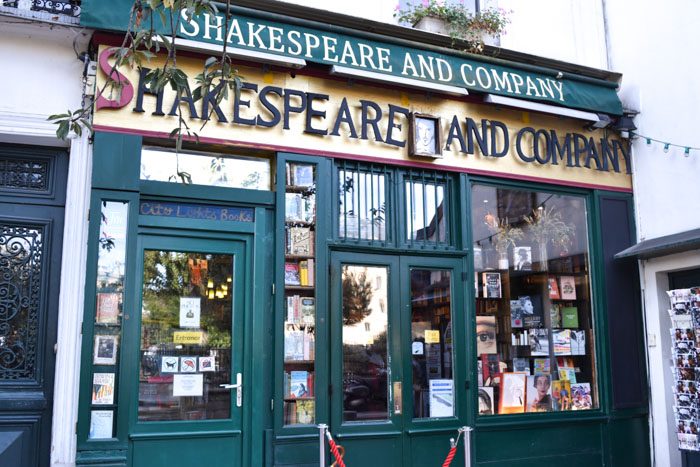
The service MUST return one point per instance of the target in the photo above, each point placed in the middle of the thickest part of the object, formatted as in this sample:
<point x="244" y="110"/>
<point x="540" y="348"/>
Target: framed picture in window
<point x="105" y="350"/>
<point x="424" y="136"/>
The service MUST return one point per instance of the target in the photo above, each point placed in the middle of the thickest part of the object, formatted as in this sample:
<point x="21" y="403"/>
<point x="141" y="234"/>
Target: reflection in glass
<point x="111" y="256"/>
<point x="162" y="165"/>
<point x="362" y="204"/>
<point x="365" y="357"/>
<point x="431" y="347"/>
<point x="185" y="336"/>
<point x="425" y="215"/>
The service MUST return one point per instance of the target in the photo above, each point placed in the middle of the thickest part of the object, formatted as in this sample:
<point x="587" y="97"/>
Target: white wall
<point x="655" y="45"/>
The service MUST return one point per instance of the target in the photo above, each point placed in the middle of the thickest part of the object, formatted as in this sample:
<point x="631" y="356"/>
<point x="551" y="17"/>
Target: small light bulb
<point x="687" y="152"/>
<point x="666" y="146"/>
<point x="211" y="294"/>
<point x="210" y="284"/>
<point x="229" y="279"/>
<point x="648" y="141"/>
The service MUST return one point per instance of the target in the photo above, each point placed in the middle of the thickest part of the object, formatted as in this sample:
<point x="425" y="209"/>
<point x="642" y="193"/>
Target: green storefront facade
<point x="305" y="262"/>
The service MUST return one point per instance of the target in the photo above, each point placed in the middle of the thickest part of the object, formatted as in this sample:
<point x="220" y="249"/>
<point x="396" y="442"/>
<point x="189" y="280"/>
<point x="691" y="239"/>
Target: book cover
<point x="578" y="342"/>
<point x="492" y="284"/>
<point x="555" y="315"/>
<point x="539" y="394"/>
<point x="490" y="365"/>
<point x="561" y="395"/>
<point x="302" y="174"/>
<point x="568" y="287"/>
<point x="305" y="412"/>
<point x="522" y="258"/>
<point x="479" y="373"/>
<point x="521" y="365"/>
<point x="486" y="400"/>
<point x="567" y="362"/>
<point x="567" y="374"/>
<point x="486" y="335"/>
<point x="311" y="268"/>
<point x="533" y="316"/>
<point x="553" y="288"/>
<point x="293" y="345"/>
<point x="512" y="393"/>
<point x="542" y="366"/>
<point x="107" y="308"/>
<point x="581" y="396"/>
<point x="304" y="272"/>
<point x="298" y="384"/>
<point x="569" y="317"/>
<point x="291" y="274"/>
<point x="308" y="310"/>
<point x="103" y="388"/>
<point x="516" y="314"/>
<point x="293" y="207"/>
<point x="301" y="241"/>
<point x="561" y="339"/>
<point x="539" y="342"/>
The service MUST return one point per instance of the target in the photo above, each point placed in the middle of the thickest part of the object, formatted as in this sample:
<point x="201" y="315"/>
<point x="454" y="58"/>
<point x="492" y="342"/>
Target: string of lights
<point x="667" y="145"/>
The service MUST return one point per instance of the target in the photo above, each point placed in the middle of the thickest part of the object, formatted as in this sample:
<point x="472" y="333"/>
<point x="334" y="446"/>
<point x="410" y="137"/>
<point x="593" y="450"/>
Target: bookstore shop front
<point x="391" y="261"/>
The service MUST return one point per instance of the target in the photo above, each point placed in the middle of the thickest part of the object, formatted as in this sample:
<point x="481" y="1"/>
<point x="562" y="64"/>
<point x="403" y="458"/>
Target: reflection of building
<point x="374" y="324"/>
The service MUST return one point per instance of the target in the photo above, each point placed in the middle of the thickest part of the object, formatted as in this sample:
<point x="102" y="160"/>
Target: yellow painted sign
<point x="432" y="336"/>
<point x="187" y="337"/>
<point x="289" y="111"/>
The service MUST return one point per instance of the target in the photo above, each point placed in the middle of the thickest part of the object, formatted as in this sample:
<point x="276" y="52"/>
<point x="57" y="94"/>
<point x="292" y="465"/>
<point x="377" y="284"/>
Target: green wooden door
<point x="190" y="388"/>
<point x="398" y="368"/>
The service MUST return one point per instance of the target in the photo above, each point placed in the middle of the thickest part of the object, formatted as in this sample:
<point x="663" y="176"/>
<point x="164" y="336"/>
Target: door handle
<point x="238" y="387"/>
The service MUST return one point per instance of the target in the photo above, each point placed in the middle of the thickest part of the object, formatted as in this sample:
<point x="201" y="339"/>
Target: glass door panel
<point x="185" y="349"/>
<point x="431" y="342"/>
<point x="365" y="368"/>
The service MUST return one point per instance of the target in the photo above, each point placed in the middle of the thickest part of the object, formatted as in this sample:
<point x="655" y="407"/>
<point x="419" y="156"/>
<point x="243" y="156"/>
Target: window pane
<point x="228" y="171"/>
<point x="431" y="347"/>
<point x="365" y="354"/>
<point x="185" y="336"/>
<point x="362" y="200"/>
<point x="425" y="212"/>
<point x="534" y="322"/>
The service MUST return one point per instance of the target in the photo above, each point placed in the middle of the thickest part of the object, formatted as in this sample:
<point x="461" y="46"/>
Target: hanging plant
<point x="545" y="225"/>
<point x="503" y="235"/>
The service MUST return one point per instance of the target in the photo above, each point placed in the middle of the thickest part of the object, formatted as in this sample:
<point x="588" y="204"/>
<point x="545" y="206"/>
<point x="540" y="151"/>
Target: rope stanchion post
<point x="322" y="444"/>
<point x="466" y="431"/>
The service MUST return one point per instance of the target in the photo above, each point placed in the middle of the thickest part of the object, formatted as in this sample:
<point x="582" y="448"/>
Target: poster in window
<point x="103" y="388"/>
<point x="441" y="398"/>
<point x="107" y="308"/>
<point x="190" y="310"/>
<point x="101" y="424"/>
<point x="105" y="350"/>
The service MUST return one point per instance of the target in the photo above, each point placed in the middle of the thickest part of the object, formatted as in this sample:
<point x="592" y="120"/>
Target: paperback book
<point x="291" y="274"/>
<point x="298" y="384"/>
<point x="539" y="394"/>
<point x="521" y="365"/>
<point x="542" y="366"/>
<point x="568" y="287"/>
<point x="490" y="365"/>
<point x="516" y="314"/>
<point x="581" y="396"/>
<point x="533" y="317"/>
<point x="553" y="288"/>
<point x="569" y="317"/>
<point x="561" y="339"/>
<point x="512" y="393"/>
<point x="539" y="342"/>
<point x="578" y="342"/>
<point x="561" y="395"/>
<point x="492" y="284"/>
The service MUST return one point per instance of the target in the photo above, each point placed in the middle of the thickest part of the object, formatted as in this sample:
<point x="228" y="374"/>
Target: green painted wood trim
<point x="184" y="224"/>
<point x="116" y="161"/>
<point x="184" y="434"/>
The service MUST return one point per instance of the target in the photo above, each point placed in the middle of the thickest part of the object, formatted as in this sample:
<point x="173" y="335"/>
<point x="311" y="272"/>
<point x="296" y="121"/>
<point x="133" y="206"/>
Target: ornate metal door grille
<point x="24" y="174"/>
<point x="21" y="255"/>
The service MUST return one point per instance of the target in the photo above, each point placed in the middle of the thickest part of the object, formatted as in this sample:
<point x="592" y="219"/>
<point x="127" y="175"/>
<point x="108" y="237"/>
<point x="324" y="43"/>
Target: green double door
<point x="399" y="383"/>
<point x="188" y="377"/>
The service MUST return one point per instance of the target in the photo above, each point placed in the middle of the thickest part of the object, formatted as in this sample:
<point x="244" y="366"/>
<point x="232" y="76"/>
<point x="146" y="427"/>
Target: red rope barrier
<point x="450" y="456"/>
<point x="336" y="452"/>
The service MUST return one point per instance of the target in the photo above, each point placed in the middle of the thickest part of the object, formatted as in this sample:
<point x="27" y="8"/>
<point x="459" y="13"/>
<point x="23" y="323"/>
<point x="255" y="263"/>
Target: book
<point x="578" y="342"/>
<point x="561" y="339"/>
<point x="301" y="174"/>
<point x="490" y="366"/>
<point x="300" y="241"/>
<point x="568" y="374"/>
<point x="553" y="288"/>
<point x="539" y="393"/>
<point x="291" y="274"/>
<point x="103" y="388"/>
<point x="522" y="258"/>
<point x="568" y="287"/>
<point x="512" y="393"/>
<point x="486" y="400"/>
<point x="567" y="362"/>
<point x="304" y="272"/>
<point x="581" y="396"/>
<point x="107" y="308"/>
<point x="308" y="310"/>
<point x="298" y="381"/>
<point x="293" y="345"/>
<point x="555" y="315"/>
<point x="516" y="314"/>
<point x="533" y="316"/>
<point x="309" y="346"/>
<point x="542" y="366"/>
<point x="479" y="373"/>
<point x="486" y="335"/>
<point x="492" y="284"/>
<point x="521" y="365"/>
<point x="569" y="317"/>
<point x="561" y="395"/>
<point x="305" y="412"/>
<point x="539" y="342"/>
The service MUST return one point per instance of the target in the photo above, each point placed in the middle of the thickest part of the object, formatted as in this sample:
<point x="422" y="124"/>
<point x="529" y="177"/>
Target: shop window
<point x="426" y="206"/>
<point x="210" y="169"/>
<point x="362" y="200"/>
<point x="534" y="323"/>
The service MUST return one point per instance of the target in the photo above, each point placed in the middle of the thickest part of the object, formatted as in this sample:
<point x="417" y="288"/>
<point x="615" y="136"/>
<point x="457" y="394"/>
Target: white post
<point x="466" y="432"/>
<point x="322" y="444"/>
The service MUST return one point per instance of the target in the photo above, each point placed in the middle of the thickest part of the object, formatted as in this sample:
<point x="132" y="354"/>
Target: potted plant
<point x="546" y="226"/>
<point x="503" y="237"/>
<point x="456" y="21"/>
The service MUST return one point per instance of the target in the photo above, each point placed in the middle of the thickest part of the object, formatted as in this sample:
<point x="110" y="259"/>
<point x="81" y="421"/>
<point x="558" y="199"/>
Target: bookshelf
<point x="299" y="294"/>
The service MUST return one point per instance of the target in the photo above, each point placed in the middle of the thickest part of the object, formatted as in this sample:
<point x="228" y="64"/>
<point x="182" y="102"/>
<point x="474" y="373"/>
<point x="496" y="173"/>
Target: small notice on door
<point x="187" y="337"/>
<point x="432" y="336"/>
<point x="188" y="385"/>
<point x="441" y="398"/>
<point x="190" y="312"/>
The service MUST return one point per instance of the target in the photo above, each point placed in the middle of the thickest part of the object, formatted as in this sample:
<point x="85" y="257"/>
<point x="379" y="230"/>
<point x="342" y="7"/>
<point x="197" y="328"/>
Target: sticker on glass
<point x="170" y="364"/>
<point x="188" y="364"/>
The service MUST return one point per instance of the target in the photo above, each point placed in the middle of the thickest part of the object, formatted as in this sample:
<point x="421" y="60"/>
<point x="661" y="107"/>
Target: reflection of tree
<point x="357" y="295"/>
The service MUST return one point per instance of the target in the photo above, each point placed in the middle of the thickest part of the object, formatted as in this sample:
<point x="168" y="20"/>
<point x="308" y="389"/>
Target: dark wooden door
<point x="32" y="195"/>
<point x="684" y="280"/>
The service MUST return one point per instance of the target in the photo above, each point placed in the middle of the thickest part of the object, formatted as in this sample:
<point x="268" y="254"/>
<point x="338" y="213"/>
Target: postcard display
<point x="107" y="315"/>
<point x="299" y="294"/>
<point x="685" y="335"/>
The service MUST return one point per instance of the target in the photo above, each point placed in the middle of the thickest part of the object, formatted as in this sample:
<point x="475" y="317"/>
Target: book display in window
<point x="299" y="294"/>
<point x="685" y="329"/>
<point x="534" y="321"/>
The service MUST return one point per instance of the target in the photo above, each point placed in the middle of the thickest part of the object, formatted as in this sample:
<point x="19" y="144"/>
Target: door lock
<point x="398" y="398"/>
<point x="238" y="387"/>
